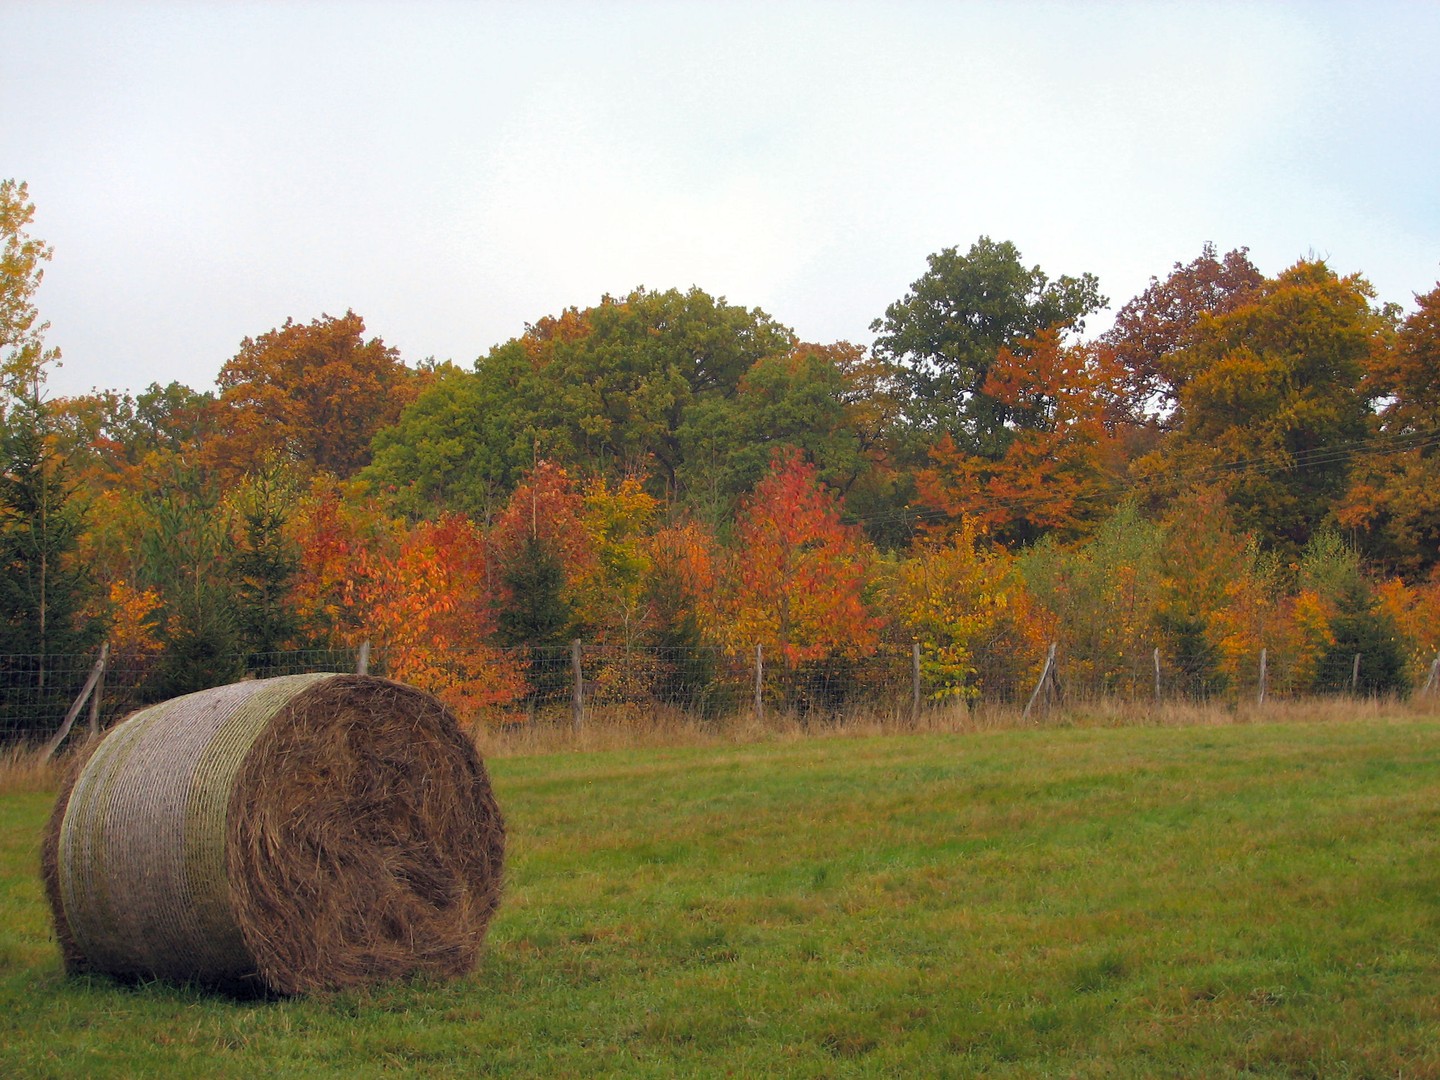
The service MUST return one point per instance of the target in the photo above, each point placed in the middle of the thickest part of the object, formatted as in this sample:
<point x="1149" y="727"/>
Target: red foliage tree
<point x="794" y="580"/>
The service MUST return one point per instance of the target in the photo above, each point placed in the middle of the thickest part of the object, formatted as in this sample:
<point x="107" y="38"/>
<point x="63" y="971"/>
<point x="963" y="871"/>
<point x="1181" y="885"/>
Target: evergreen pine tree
<point x="1359" y="629"/>
<point x="187" y="552"/>
<point x="537" y="617"/>
<point x="263" y="567"/>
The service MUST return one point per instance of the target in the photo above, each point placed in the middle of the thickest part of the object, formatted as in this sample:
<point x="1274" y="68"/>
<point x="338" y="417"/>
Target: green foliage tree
<point x="263" y="566"/>
<point x="605" y="390"/>
<point x="795" y="401"/>
<point x="1104" y="594"/>
<point x="947" y="330"/>
<point x="187" y="554"/>
<point x="1360" y="629"/>
<point x="48" y="604"/>
<point x="461" y="445"/>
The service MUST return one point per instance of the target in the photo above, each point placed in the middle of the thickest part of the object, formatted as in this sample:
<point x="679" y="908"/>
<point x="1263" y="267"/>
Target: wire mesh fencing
<point x="638" y="684"/>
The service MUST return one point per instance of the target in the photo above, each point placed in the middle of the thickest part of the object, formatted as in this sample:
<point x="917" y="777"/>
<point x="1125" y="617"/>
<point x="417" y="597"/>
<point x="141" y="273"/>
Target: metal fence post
<point x="577" y="691"/>
<point x="759" y="683"/>
<point x="915" y="682"/>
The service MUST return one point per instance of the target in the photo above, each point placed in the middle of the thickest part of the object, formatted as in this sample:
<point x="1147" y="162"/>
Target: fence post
<point x="1263" y="678"/>
<point x="759" y="683"/>
<point x="99" y="687"/>
<point x="1047" y="675"/>
<point x="1434" y="676"/>
<point x="915" y="682"/>
<point x="362" y="662"/>
<point x="69" y="721"/>
<point x="577" y="691"/>
<point x="1355" y="675"/>
<point x="1157" y="677"/>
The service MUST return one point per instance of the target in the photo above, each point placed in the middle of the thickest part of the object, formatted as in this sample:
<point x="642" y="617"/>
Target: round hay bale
<point x="279" y="836"/>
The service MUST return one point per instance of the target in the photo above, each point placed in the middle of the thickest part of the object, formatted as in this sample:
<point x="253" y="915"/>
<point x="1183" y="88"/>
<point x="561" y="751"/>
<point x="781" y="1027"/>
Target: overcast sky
<point x="454" y="171"/>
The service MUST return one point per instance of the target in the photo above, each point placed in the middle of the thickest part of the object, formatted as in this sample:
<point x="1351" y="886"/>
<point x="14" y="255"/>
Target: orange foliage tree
<point x="428" y="607"/>
<point x="1053" y="471"/>
<point x="314" y="394"/>
<point x="1394" y="495"/>
<point x="794" y="580"/>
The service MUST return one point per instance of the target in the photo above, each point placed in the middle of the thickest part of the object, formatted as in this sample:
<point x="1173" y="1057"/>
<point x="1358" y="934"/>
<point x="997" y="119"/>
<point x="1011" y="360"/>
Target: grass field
<point x="1232" y="899"/>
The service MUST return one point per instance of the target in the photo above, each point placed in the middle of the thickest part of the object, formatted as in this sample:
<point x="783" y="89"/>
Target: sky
<point x="453" y="172"/>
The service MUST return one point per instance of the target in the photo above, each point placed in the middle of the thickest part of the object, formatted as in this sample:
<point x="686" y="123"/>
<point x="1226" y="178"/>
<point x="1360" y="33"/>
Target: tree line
<point x="1239" y="462"/>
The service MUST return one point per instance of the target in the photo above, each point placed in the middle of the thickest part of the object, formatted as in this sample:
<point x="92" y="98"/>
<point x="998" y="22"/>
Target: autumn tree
<point x="1216" y="601"/>
<point x="1271" y="403"/>
<point x="610" y="592"/>
<point x="947" y="331"/>
<point x="1104" y="594"/>
<point x="1393" y="499"/>
<point x="794" y="580"/>
<point x="314" y="394"/>
<point x="114" y="440"/>
<point x="23" y="352"/>
<point x="964" y="603"/>
<point x="337" y="539"/>
<point x="427" y="605"/>
<point x="1052" y="470"/>
<point x="1151" y="331"/>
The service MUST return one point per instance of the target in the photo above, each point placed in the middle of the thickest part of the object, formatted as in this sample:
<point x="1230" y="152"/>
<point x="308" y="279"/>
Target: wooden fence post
<point x="1355" y="675"/>
<point x="362" y="662"/>
<point x="99" y="688"/>
<point x="1434" y="677"/>
<point x="577" y="691"/>
<point x="759" y="683"/>
<point x="1046" y="676"/>
<point x="69" y="721"/>
<point x="915" y="682"/>
<point x="1263" y="677"/>
<point x="1157" y="676"/>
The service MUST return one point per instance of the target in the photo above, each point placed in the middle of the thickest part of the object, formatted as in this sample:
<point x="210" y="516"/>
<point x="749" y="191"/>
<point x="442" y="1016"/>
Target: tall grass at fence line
<point x="627" y="727"/>
<point x="25" y="769"/>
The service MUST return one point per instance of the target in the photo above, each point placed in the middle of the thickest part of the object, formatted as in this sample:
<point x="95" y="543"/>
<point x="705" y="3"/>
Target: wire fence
<point x="584" y="682"/>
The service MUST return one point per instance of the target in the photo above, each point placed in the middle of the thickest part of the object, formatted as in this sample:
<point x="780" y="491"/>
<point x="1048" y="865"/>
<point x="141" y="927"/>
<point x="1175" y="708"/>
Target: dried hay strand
<point x="279" y="836"/>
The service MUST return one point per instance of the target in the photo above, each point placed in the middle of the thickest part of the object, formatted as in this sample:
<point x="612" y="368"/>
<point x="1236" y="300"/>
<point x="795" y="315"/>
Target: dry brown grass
<point x="24" y="770"/>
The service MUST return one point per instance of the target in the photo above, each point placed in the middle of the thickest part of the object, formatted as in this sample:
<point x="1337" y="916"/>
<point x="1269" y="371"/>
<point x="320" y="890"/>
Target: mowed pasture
<point x="1243" y="899"/>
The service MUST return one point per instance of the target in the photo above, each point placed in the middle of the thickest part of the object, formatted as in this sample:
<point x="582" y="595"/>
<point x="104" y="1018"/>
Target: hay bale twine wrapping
<point x="280" y="836"/>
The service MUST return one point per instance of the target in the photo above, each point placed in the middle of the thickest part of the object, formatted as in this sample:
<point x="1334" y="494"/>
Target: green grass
<point x="1246" y="900"/>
